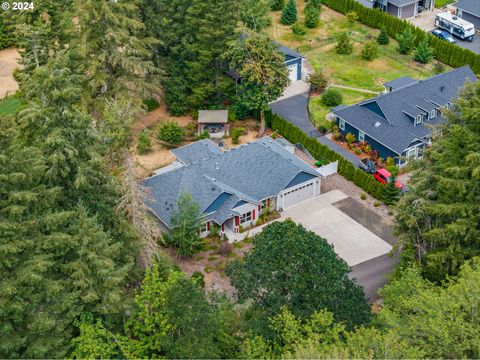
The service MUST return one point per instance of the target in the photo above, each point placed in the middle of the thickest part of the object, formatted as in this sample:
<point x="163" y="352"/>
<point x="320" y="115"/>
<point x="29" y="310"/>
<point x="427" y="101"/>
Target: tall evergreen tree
<point x="312" y="15"/>
<point x="439" y="218"/>
<point x="391" y="194"/>
<point x="406" y="41"/>
<point x="255" y="14"/>
<point x="277" y="5"/>
<point x="383" y="38"/>
<point x="289" y="13"/>
<point x="262" y="69"/>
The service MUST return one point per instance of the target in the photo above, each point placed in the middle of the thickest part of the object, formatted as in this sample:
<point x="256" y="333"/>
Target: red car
<point x="384" y="176"/>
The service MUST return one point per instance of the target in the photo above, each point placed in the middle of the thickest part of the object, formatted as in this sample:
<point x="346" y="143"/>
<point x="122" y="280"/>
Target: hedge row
<point x="321" y="151"/>
<point x="445" y="52"/>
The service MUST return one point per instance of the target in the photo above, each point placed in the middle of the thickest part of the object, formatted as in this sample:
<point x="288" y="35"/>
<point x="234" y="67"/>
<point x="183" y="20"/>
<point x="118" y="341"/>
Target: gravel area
<point x="338" y="182"/>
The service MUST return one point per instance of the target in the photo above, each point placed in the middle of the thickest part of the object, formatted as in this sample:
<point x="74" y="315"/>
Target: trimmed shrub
<point x="289" y="13"/>
<point x="352" y="16"/>
<point x="344" y="45"/>
<point x="318" y="81"/>
<point x="323" y="129"/>
<point x="171" y="132"/>
<point x="350" y="138"/>
<point x="332" y="97"/>
<point x="383" y="38"/>
<point x="144" y="144"/>
<point x="370" y="50"/>
<point x="298" y="29"/>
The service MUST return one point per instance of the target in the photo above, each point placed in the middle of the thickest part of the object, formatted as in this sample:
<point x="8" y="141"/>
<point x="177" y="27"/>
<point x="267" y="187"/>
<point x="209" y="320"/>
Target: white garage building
<point x="233" y="188"/>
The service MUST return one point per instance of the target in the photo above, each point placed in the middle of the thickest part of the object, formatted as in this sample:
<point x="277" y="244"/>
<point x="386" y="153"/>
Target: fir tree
<point x="391" y="194"/>
<point x="406" y="41"/>
<point x="439" y="217"/>
<point x="255" y="14"/>
<point x="423" y="53"/>
<point x="312" y="15"/>
<point x="344" y="45"/>
<point x="289" y="13"/>
<point x="383" y="38"/>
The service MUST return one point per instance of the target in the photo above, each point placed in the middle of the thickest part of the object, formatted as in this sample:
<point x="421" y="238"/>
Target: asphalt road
<point x="372" y="274"/>
<point x="474" y="45"/>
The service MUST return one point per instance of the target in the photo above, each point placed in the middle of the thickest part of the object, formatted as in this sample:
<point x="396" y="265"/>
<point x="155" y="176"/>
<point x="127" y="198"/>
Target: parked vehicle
<point x="455" y="26"/>
<point x="441" y="34"/>
<point x="367" y="165"/>
<point x="383" y="176"/>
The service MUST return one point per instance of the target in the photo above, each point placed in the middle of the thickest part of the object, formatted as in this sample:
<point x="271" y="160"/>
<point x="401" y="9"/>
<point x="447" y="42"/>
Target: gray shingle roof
<point x="250" y="172"/>
<point x="398" y="131"/>
<point x="402" y="2"/>
<point x="367" y="3"/>
<point x="196" y="151"/>
<point x="400" y="82"/>
<point x="469" y="6"/>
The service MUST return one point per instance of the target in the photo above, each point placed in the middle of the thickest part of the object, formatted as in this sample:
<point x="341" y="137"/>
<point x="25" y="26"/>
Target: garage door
<point x="299" y="194"/>
<point x="292" y="72"/>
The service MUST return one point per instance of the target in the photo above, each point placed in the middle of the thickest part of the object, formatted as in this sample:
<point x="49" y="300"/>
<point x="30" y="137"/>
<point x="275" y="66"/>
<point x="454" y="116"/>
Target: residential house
<point x="293" y="61"/>
<point x="402" y="9"/>
<point x="398" y="124"/>
<point x="469" y="10"/>
<point x="233" y="188"/>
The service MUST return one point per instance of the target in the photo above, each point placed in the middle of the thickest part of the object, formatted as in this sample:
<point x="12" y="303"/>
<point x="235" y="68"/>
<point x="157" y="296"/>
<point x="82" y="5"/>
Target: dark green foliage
<point x="391" y="194"/>
<point x="310" y="278"/>
<point x="151" y="104"/>
<point x="383" y="38"/>
<point x="144" y="143"/>
<point x="423" y="52"/>
<point x="255" y="14"/>
<point x="332" y="97"/>
<point x="439" y="217"/>
<point x="318" y="81"/>
<point x="172" y="318"/>
<point x="198" y="278"/>
<point x="235" y="133"/>
<point x="447" y="53"/>
<point x="185" y="220"/>
<point x="289" y="13"/>
<point x="3" y="35"/>
<point x="171" y="132"/>
<point x="312" y="15"/>
<point x="277" y="5"/>
<point x="370" y="50"/>
<point x="344" y="45"/>
<point x="298" y="29"/>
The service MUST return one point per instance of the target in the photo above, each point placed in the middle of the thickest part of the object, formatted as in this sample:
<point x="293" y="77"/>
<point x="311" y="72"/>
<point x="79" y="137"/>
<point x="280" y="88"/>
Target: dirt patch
<point x="8" y="63"/>
<point x="213" y="265"/>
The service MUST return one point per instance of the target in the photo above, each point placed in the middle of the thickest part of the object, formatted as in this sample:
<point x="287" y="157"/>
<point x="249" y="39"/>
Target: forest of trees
<point x="75" y="280"/>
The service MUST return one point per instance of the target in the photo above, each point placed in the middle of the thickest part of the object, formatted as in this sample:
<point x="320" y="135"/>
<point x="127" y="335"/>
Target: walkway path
<point x="355" y="89"/>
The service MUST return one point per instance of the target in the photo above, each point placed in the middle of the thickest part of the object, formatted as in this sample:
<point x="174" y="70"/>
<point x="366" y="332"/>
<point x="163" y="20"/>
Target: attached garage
<point x="292" y="72"/>
<point x="304" y="186"/>
<point x="299" y="194"/>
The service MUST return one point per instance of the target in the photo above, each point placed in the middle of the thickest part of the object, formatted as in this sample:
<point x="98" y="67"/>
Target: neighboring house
<point x="233" y="188"/>
<point x="469" y="10"/>
<point x="403" y="9"/>
<point x="293" y="61"/>
<point x="398" y="124"/>
<point x="213" y="121"/>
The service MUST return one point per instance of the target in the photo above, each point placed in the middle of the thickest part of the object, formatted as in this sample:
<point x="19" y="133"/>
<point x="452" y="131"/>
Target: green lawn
<point x="10" y="106"/>
<point x="441" y="3"/>
<point x="318" y="111"/>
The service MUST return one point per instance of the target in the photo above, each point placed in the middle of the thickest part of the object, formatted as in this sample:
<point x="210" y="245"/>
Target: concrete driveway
<point x="353" y="242"/>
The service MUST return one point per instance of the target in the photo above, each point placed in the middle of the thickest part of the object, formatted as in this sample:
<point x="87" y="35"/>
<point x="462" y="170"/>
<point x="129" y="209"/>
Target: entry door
<point x="292" y="72"/>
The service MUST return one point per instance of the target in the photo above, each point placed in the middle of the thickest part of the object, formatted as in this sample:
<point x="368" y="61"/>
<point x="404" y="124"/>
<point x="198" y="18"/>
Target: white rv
<point x="455" y="26"/>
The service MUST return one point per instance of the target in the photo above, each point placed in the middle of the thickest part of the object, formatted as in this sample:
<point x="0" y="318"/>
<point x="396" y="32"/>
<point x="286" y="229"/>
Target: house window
<point x="341" y="124"/>
<point x="264" y="204"/>
<point x="419" y="119"/>
<point x="361" y="135"/>
<point x="204" y="227"/>
<point x="433" y="113"/>
<point x="420" y="152"/>
<point x="411" y="153"/>
<point x="246" y="217"/>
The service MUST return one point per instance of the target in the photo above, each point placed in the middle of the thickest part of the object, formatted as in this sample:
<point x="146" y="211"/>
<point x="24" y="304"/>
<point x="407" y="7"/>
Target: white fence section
<point x="329" y="169"/>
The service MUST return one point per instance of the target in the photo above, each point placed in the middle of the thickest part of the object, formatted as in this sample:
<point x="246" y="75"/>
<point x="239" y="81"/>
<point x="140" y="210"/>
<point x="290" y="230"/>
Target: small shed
<point x="213" y="121"/>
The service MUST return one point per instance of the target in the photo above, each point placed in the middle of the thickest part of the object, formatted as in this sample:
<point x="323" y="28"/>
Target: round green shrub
<point x="370" y="50"/>
<point x="318" y="81"/>
<point x="171" y="132"/>
<point x="298" y="29"/>
<point x="332" y="97"/>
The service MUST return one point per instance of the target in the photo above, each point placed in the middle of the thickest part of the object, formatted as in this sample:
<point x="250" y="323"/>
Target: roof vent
<point x="442" y="88"/>
<point x="270" y="141"/>
<point x="377" y="124"/>
<point x="213" y="179"/>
